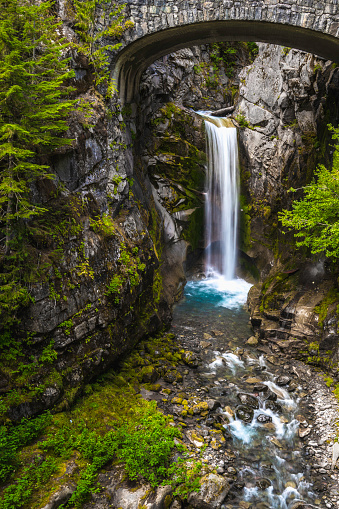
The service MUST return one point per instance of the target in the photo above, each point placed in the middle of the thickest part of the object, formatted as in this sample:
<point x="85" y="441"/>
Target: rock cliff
<point x="124" y="217"/>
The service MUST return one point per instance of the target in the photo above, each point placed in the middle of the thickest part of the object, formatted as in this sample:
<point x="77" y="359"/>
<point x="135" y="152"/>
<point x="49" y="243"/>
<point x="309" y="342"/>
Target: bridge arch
<point x="161" y="27"/>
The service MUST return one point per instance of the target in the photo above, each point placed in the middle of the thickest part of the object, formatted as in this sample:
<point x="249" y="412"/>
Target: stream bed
<point x="263" y="405"/>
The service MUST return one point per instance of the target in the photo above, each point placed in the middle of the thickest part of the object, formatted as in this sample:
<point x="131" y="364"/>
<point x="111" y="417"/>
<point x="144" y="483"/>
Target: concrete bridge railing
<point x="161" y="27"/>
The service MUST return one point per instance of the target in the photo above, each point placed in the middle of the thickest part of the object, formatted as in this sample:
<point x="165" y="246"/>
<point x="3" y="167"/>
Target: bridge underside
<point x="135" y="58"/>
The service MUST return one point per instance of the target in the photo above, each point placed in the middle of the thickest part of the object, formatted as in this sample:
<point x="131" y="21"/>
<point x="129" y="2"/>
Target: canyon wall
<point x="124" y="214"/>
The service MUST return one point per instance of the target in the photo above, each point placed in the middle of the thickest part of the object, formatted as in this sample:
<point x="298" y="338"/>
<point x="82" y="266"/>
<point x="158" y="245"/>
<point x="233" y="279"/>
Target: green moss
<point x="110" y="423"/>
<point x="322" y="308"/>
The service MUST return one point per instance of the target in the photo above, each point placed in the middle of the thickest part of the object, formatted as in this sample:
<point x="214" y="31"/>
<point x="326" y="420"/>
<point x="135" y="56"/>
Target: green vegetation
<point x="227" y="56"/>
<point x="315" y="217"/>
<point x="322" y="308"/>
<point x="33" y="113"/>
<point x="111" y="425"/>
<point x="240" y="118"/>
<point x="130" y="267"/>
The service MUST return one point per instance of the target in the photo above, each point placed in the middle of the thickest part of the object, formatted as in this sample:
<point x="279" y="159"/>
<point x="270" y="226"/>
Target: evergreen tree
<point x="34" y="106"/>
<point x="316" y="216"/>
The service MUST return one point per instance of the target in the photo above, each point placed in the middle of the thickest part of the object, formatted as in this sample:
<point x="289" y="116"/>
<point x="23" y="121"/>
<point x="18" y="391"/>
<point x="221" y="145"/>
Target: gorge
<point x="122" y="232"/>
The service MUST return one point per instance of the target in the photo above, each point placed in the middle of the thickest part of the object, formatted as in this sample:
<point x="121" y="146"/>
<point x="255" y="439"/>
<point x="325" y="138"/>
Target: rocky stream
<point x="265" y="422"/>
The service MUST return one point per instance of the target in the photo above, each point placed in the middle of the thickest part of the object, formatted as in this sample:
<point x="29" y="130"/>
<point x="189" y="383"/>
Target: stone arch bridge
<point x="161" y="27"/>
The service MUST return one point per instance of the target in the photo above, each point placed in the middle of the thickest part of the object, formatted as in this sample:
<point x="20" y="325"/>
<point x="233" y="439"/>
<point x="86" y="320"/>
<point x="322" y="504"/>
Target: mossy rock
<point x="149" y="374"/>
<point x="172" y="376"/>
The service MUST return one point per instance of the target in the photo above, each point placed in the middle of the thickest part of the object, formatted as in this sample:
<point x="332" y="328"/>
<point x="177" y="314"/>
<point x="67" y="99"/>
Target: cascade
<point x="221" y="210"/>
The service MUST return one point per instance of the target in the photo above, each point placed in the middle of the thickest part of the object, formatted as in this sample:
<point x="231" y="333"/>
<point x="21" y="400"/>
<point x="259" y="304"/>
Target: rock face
<point x="125" y="211"/>
<point x="281" y="113"/>
<point x="286" y="98"/>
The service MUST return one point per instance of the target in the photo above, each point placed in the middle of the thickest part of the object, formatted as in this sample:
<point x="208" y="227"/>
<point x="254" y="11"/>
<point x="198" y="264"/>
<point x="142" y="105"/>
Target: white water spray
<point x="221" y="211"/>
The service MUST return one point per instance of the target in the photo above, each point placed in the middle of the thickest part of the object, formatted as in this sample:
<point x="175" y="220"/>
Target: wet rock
<point x="283" y="380"/>
<point x="264" y="418"/>
<point x="276" y="442"/>
<point x="205" y="344"/>
<point x="229" y="411"/>
<point x="213" y="491"/>
<point x="213" y="404"/>
<point x="292" y="386"/>
<point x="248" y="400"/>
<point x="301" y="505"/>
<point x="244" y="504"/>
<point x="263" y="483"/>
<point x="252" y="341"/>
<point x="304" y="432"/>
<point x="270" y="396"/>
<point x="269" y="425"/>
<point x="272" y="405"/>
<point x="60" y="497"/>
<point x="231" y="471"/>
<point x="273" y="360"/>
<point x="260" y="388"/>
<point x="190" y="359"/>
<point x="244" y="413"/>
<point x="253" y="380"/>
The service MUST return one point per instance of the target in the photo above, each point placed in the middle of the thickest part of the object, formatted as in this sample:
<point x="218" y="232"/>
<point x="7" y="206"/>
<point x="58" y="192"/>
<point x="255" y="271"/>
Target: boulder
<point x="213" y="491"/>
<point x="252" y="341"/>
<point x="248" y="400"/>
<point x="131" y="498"/>
<point x="272" y="405"/>
<point x="244" y="413"/>
<point x="60" y="497"/>
<point x="263" y="483"/>
<point x="283" y="380"/>
<point x="264" y="418"/>
<point x="190" y="359"/>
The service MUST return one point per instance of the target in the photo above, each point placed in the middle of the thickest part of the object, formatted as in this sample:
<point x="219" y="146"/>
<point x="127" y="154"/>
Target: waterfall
<point x="221" y="211"/>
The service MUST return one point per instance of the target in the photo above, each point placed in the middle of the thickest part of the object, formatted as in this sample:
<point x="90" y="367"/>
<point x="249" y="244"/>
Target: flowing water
<point x="259" y="410"/>
<point x="260" y="415"/>
<point x="221" y="211"/>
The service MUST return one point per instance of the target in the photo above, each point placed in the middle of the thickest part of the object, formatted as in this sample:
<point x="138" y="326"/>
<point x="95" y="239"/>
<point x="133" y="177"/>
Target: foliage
<point x="184" y="475"/>
<point x="33" y="476"/>
<point x="240" y="118"/>
<point x="103" y="225"/>
<point x="146" y="448"/>
<point x="114" y="287"/>
<point x="13" y="438"/>
<point x="143" y="442"/>
<point x="33" y="112"/>
<point x="130" y="267"/>
<point x="112" y="423"/>
<point x="315" y="217"/>
<point x="90" y="38"/>
<point x="322" y="308"/>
